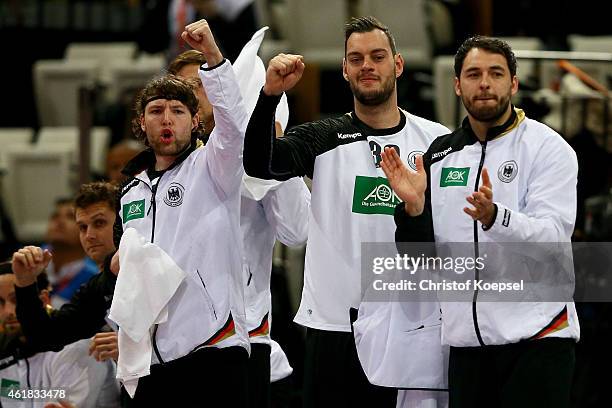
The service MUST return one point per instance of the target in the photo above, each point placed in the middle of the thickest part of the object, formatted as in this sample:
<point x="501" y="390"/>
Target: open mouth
<point x="166" y="136"/>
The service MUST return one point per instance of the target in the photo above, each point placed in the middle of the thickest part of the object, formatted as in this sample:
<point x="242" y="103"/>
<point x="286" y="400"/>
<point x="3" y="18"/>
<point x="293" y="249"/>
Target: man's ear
<point x="195" y="120"/>
<point x="457" y="87"/>
<point x="344" y="74"/>
<point x="142" y="123"/>
<point x="45" y="297"/>
<point x="399" y="65"/>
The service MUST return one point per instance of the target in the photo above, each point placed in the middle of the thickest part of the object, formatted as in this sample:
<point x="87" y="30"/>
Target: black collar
<point x="146" y="160"/>
<point x="495" y="131"/>
<point x="380" y="132"/>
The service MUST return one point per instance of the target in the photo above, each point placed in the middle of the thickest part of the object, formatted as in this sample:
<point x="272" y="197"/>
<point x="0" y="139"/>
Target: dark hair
<point x="492" y="45"/>
<point x="42" y="281"/>
<point x="169" y="87"/>
<point x="64" y="201"/>
<point x="186" y="58"/>
<point x="365" y="25"/>
<point x="97" y="192"/>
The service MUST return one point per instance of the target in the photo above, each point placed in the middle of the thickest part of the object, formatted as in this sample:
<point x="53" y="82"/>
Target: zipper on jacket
<point x="154" y="208"/>
<point x="209" y="298"/>
<point x="476" y="251"/>
<point x="28" y="373"/>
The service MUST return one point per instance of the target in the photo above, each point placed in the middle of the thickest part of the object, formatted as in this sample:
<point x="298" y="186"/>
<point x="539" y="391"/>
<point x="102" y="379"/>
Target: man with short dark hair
<point x="70" y="267"/>
<point x="515" y="353"/>
<point x="342" y="156"/>
<point x="85" y="314"/>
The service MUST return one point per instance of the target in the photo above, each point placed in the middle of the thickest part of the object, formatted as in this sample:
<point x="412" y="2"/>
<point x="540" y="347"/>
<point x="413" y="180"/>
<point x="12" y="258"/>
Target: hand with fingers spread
<point x="28" y="263"/>
<point x="409" y="186"/>
<point x="199" y="37"/>
<point x="284" y="71"/>
<point x="104" y="346"/>
<point x="482" y="200"/>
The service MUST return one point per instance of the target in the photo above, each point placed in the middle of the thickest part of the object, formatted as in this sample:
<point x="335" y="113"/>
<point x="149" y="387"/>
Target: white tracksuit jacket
<point x="86" y="382"/>
<point x="533" y="172"/>
<point x="282" y="213"/>
<point x="192" y="212"/>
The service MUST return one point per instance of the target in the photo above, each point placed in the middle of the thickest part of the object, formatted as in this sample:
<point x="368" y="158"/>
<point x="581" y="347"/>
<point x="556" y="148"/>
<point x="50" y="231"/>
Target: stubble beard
<point x="374" y="97"/>
<point x="487" y="114"/>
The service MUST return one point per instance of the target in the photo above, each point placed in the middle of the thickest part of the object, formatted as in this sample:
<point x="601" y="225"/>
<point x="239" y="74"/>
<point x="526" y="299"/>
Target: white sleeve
<point x="287" y="208"/>
<point x="227" y="138"/>
<point x="549" y="210"/>
<point x="74" y="370"/>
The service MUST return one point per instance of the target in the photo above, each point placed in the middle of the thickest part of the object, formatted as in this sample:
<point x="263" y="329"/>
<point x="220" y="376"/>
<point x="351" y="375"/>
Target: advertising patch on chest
<point x="372" y="195"/>
<point x="133" y="210"/>
<point x="454" y="176"/>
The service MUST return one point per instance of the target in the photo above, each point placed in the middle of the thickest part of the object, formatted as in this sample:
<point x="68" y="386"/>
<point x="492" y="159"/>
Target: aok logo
<point x="454" y="176"/>
<point x="372" y="195"/>
<point x="133" y="210"/>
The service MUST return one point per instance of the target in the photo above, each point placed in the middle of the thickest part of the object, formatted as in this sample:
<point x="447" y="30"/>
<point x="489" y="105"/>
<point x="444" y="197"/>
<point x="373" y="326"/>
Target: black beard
<point x="373" y="98"/>
<point x="488" y="115"/>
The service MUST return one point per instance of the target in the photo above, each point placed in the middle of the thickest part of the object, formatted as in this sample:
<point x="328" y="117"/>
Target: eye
<point x="82" y="228"/>
<point x="379" y="57"/>
<point x="100" y="223"/>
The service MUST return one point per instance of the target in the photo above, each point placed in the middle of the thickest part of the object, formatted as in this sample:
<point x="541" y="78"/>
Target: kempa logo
<point x="454" y="176"/>
<point x="372" y="195"/>
<point x="442" y="153"/>
<point x="349" y="135"/>
<point x="133" y="210"/>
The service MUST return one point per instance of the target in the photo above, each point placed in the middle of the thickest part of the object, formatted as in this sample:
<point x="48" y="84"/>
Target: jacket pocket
<point x="207" y="297"/>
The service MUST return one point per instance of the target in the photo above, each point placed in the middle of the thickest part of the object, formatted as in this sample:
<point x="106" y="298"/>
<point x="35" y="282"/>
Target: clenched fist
<point x="199" y="37"/>
<point x="28" y="263"/>
<point x="284" y="71"/>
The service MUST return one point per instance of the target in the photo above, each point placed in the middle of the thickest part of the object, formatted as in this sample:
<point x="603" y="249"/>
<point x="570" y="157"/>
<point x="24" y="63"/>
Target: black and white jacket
<point x="192" y="212"/>
<point x="533" y="172"/>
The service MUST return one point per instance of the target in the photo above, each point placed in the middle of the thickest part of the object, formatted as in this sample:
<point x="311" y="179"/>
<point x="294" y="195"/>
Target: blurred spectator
<point x="70" y="267"/>
<point x="118" y="156"/>
<point x="86" y="382"/>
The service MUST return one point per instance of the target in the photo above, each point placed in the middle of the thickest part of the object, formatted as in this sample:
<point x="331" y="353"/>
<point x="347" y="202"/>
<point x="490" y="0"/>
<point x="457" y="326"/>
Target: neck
<point x="383" y="116"/>
<point x="163" y="162"/>
<point x="481" y="129"/>
<point x="63" y="255"/>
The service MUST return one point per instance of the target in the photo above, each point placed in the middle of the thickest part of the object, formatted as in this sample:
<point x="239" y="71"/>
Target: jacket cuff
<point x="205" y="67"/>
<point x="502" y="224"/>
<point x="484" y="227"/>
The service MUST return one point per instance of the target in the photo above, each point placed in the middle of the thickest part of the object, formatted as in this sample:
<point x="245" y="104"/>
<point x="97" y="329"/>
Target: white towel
<point x="148" y="278"/>
<point x="251" y="75"/>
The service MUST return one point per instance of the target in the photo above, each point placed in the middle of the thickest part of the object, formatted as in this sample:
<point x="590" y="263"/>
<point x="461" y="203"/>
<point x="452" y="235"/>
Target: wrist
<point x="413" y="209"/>
<point x="214" y="58"/>
<point x="270" y="92"/>
<point x="22" y="282"/>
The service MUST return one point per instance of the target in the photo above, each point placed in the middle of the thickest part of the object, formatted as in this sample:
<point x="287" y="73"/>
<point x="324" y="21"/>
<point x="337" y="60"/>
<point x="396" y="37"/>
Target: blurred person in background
<point x="84" y="315"/>
<point x="118" y="156"/>
<point x="70" y="267"/>
<point x="86" y="382"/>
